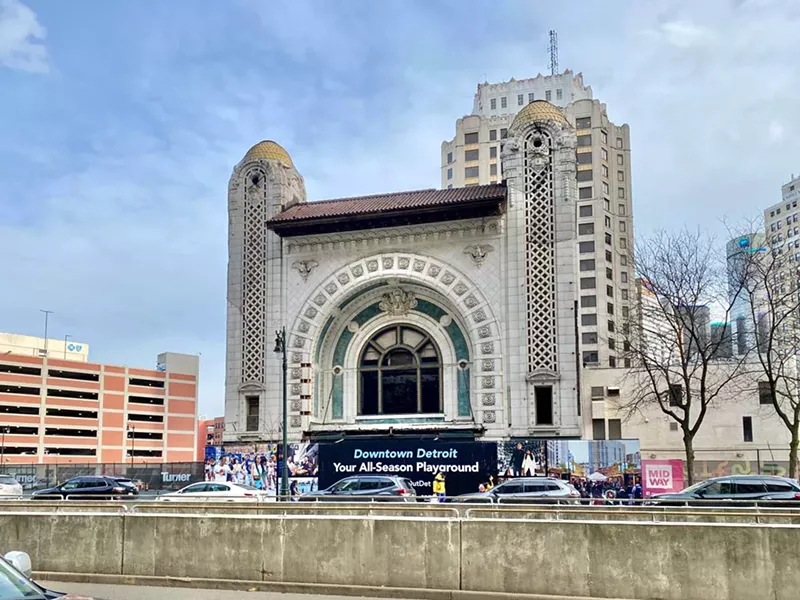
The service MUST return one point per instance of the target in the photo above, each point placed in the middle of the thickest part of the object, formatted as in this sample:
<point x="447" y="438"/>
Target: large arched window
<point x="400" y="373"/>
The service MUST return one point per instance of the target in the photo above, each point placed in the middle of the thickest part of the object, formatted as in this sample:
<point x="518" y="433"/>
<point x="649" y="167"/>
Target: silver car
<point x="526" y="490"/>
<point x="9" y="486"/>
<point x="16" y="582"/>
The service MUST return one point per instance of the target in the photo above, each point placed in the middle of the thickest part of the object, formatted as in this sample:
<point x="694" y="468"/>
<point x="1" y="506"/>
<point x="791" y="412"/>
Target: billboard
<point x="465" y="465"/>
<point x="661" y="477"/>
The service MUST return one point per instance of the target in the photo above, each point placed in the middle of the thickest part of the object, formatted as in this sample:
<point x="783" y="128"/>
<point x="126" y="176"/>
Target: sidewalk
<point x="130" y="592"/>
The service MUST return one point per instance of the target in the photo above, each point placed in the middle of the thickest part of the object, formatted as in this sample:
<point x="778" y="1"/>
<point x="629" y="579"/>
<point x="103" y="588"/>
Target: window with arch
<point x="400" y="373"/>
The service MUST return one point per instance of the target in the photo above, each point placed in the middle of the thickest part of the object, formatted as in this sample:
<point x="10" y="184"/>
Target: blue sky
<point x="120" y="123"/>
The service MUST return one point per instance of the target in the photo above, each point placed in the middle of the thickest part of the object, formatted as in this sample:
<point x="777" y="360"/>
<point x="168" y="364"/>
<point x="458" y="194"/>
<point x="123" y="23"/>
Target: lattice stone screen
<point x="254" y="282"/>
<point x="539" y="254"/>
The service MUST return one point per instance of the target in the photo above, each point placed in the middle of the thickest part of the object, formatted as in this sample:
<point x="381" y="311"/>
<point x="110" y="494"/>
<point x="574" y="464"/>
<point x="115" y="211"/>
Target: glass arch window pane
<point x="399" y="358"/>
<point x="400" y="373"/>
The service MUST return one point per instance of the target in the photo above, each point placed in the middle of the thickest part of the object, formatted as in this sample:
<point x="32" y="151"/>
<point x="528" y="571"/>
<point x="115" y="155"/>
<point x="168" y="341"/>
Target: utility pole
<point x="280" y="348"/>
<point x="47" y="314"/>
<point x="66" y="338"/>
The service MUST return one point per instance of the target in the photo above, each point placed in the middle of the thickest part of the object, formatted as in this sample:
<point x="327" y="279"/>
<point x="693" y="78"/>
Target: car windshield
<point x="7" y="480"/>
<point x="693" y="488"/>
<point x="13" y="586"/>
<point x="345" y="485"/>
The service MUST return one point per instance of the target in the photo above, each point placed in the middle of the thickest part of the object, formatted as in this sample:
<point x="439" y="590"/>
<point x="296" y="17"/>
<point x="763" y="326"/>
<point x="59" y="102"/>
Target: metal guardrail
<point x="544" y="509"/>
<point x="84" y="503"/>
<point x="650" y="513"/>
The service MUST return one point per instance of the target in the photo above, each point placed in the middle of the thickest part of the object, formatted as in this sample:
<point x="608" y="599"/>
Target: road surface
<point x="129" y="592"/>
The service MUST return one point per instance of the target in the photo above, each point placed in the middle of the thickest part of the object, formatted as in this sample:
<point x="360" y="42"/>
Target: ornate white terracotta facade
<point x="490" y="296"/>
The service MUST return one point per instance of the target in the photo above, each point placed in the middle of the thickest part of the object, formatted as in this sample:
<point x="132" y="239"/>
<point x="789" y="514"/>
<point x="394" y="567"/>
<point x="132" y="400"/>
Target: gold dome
<point x="268" y="150"/>
<point x="539" y="110"/>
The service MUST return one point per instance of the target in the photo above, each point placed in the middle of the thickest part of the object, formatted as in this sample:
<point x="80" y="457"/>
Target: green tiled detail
<point x="409" y="419"/>
<point x="338" y="358"/>
<point x="360" y="293"/>
<point x="462" y="353"/>
<point x="427" y="308"/>
<point x="320" y="341"/>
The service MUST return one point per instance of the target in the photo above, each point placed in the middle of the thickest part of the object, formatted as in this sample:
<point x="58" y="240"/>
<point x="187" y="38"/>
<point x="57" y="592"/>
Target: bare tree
<point x="771" y="329"/>
<point x="677" y="365"/>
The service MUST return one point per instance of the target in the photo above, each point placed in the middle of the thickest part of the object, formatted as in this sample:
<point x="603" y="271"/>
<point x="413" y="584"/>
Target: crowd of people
<point x="618" y="490"/>
<point x="260" y="472"/>
<point x="263" y="470"/>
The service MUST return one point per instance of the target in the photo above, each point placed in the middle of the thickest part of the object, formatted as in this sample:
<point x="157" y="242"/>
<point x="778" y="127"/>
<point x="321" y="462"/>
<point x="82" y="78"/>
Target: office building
<point x="782" y="229"/>
<point x="601" y="188"/>
<point x="747" y="298"/>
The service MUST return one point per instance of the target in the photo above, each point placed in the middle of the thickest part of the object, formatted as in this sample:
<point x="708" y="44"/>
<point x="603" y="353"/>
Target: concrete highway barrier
<point x="480" y="556"/>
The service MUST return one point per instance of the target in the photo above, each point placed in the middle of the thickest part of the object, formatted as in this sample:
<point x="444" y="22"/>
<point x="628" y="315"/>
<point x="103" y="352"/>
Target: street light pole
<point x="3" y="432"/>
<point x="47" y="314"/>
<point x="280" y="347"/>
<point x="66" y="338"/>
<point x="132" y="430"/>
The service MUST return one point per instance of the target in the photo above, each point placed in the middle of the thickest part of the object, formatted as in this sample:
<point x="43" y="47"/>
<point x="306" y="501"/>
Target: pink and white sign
<point x="661" y="477"/>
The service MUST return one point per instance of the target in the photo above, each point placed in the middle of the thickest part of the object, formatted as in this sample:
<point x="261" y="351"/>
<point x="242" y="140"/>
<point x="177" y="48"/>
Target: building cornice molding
<point x="467" y="229"/>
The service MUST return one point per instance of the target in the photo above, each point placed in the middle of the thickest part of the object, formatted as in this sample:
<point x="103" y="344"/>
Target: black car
<point x="91" y="487"/>
<point x="366" y="488"/>
<point x="733" y="490"/>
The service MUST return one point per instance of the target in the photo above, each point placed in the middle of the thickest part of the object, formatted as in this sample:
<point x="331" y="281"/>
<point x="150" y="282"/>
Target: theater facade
<point x="442" y="313"/>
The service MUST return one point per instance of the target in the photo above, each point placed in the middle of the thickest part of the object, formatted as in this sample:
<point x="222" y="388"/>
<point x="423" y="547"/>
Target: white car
<point x="210" y="491"/>
<point x="9" y="486"/>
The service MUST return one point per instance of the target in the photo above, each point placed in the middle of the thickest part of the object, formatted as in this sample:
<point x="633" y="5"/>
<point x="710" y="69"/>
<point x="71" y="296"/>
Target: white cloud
<point x="776" y="131"/>
<point x="685" y="34"/>
<point x="20" y="38"/>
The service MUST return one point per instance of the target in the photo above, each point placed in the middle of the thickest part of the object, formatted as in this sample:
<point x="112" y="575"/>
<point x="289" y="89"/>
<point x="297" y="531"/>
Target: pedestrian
<point x="209" y="470"/>
<point x="222" y="470"/>
<point x="637" y="491"/>
<point x="482" y="488"/>
<point x="439" y="487"/>
<point x="490" y="483"/>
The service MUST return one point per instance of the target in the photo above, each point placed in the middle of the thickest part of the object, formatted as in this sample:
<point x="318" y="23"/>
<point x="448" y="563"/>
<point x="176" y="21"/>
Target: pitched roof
<point x="385" y="205"/>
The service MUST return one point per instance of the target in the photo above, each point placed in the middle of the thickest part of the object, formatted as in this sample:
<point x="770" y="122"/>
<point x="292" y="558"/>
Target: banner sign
<point x="465" y="465"/>
<point x="661" y="476"/>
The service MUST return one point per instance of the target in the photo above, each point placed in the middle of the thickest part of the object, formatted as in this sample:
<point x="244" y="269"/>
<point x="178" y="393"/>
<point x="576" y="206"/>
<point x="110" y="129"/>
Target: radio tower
<point x="553" y="52"/>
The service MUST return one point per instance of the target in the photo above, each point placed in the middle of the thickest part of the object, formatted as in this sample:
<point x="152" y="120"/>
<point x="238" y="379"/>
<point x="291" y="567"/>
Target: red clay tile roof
<point x="389" y="203"/>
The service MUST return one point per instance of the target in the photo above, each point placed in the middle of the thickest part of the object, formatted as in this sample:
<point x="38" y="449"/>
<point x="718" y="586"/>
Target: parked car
<point x="9" y="486"/>
<point x="522" y="490"/>
<point x="733" y="490"/>
<point x="91" y="487"/>
<point x="16" y="583"/>
<point x="217" y="492"/>
<point x="366" y="488"/>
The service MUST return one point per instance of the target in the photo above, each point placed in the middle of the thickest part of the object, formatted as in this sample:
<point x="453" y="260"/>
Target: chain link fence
<point x="150" y="476"/>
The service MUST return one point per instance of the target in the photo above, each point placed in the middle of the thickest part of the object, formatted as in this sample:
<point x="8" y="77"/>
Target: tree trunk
<point x="688" y="446"/>
<point x="793" y="451"/>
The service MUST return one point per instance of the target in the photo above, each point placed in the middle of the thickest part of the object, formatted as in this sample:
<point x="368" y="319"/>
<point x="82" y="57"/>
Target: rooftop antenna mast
<point x="553" y="52"/>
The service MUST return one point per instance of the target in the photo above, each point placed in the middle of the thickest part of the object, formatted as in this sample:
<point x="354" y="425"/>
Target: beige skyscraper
<point x="603" y="273"/>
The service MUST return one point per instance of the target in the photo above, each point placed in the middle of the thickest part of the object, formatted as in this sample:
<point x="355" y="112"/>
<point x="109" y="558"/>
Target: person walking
<point x="439" y="487"/>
